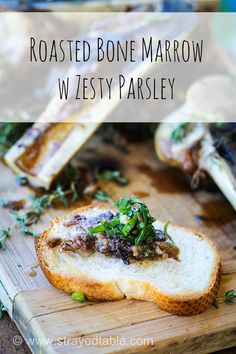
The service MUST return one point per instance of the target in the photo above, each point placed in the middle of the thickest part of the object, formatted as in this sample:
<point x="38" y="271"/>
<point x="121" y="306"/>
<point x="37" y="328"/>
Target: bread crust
<point x="190" y="304"/>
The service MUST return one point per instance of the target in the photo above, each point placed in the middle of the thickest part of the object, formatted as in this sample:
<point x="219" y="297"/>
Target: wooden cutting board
<point x="52" y="323"/>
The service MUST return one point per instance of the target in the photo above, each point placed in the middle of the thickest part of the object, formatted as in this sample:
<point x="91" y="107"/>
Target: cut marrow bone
<point x="218" y="169"/>
<point x="45" y="149"/>
<point x="196" y="150"/>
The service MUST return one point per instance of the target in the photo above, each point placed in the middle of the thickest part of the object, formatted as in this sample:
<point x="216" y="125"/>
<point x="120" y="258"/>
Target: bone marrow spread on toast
<point x="110" y="253"/>
<point x="128" y="234"/>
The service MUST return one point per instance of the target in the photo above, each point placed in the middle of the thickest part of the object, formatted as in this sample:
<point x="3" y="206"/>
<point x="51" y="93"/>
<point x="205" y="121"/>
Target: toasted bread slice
<point x="183" y="287"/>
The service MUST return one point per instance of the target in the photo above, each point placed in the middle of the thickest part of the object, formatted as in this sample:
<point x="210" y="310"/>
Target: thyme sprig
<point x="23" y="220"/>
<point x="70" y="192"/>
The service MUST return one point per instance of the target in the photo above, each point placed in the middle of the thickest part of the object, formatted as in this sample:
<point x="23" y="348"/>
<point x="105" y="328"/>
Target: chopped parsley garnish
<point x="132" y="222"/>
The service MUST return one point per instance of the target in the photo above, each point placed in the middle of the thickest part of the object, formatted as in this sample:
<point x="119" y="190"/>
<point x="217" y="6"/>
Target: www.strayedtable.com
<point x="86" y="341"/>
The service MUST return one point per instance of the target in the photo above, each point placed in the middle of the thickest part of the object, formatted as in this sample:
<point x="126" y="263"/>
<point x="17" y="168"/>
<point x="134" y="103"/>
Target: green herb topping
<point x="132" y="222"/>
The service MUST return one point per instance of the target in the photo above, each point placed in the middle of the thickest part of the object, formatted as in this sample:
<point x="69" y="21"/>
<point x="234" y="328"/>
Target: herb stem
<point x="32" y="214"/>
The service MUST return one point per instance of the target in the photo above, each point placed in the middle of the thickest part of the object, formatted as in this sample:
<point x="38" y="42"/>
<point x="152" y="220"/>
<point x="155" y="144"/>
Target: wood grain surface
<point x="8" y="331"/>
<point x="44" y="312"/>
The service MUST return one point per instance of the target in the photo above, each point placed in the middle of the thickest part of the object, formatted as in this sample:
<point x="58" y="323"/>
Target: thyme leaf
<point x="112" y="175"/>
<point x="102" y="196"/>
